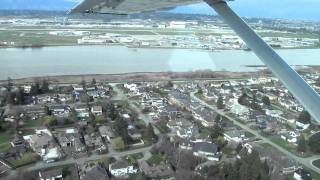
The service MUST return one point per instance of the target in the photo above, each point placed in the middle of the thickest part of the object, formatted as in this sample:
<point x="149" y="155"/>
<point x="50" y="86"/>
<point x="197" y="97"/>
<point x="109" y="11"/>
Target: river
<point x="75" y="60"/>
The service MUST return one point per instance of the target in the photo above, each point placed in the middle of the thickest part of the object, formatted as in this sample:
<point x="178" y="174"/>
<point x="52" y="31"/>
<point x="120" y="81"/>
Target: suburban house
<point x="94" y="142"/>
<point x="53" y="174"/>
<point x="131" y="87"/>
<point x="77" y="87"/>
<point x="82" y="111"/>
<point x="162" y="170"/>
<point x="96" y="110"/>
<point x="235" y="135"/>
<point x="202" y="149"/>
<point x="206" y="117"/>
<point x="26" y="89"/>
<point x="206" y="150"/>
<point x="182" y="128"/>
<point x="135" y="134"/>
<point x="302" y="126"/>
<point x="290" y="137"/>
<point x="237" y="108"/>
<point x="107" y="133"/>
<point x="44" y="145"/>
<point x="93" y="94"/>
<point x="60" y="110"/>
<point x="70" y="138"/>
<point x="302" y="174"/>
<point x="96" y="173"/>
<point x="18" y="141"/>
<point x="122" y="169"/>
<point x="35" y="111"/>
<point x="91" y="87"/>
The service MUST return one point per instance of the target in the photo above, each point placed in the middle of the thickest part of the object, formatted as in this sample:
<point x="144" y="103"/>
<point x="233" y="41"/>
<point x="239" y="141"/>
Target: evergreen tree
<point x="304" y="117"/>
<point x="19" y="96"/>
<point x="302" y="144"/>
<point x="45" y="86"/>
<point x="35" y="89"/>
<point x="220" y="103"/>
<point x="217" y="131"/>
<point x="10" y="84"/>
<point x="121" y="128"/>
<point x="94" y="81"/>
<point x="314" y="143"/>
<point x="83" y="83"/>
<point x="266" y="100"/>
<point x="149" y="134"/>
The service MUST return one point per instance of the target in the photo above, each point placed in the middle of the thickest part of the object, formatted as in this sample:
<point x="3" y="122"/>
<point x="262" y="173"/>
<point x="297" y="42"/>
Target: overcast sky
<point x="286" y="9"/>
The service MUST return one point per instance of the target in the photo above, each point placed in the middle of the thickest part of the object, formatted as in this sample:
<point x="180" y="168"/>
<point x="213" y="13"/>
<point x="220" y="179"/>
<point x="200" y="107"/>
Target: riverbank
<point x="140" y="77"/>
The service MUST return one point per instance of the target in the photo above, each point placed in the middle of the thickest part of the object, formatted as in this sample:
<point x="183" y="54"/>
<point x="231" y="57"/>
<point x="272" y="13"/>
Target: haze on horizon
<point x="284" y="9"/>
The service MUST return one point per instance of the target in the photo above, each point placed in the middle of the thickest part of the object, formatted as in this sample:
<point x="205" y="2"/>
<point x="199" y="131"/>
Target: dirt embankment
<point x="137" y="77"/>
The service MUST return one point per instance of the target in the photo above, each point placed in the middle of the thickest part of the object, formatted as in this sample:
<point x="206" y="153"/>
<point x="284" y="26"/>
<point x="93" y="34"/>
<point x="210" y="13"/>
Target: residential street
<point x="121" y="96"/>
<point x="305" y="161"/>
<point x="81" y="161"/>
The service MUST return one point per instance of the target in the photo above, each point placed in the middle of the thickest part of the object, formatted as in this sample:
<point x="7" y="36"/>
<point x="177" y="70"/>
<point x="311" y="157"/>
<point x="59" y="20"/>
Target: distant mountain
<point x="285" y="9"/>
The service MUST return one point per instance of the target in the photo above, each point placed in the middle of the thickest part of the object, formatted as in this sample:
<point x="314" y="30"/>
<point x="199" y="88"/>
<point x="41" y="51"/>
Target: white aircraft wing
<point x="127" y="6"/>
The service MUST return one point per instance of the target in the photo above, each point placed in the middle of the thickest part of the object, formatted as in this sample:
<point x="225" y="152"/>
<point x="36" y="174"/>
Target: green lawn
<point x="315" y="175"/>
<point x="157" y="159"/>
<point x="27" y="158"/>
<point x="5" y="147"/>
<point x="35" y="38"/>
<point x="289" y="147"/>
<point x="283" y="144"/>
<point x="6" y="136"/>
<point x="249" y="135"/>
<point x="32" y="123"/>
<point x="316" y="163"/>
<point x="132" y="158"/>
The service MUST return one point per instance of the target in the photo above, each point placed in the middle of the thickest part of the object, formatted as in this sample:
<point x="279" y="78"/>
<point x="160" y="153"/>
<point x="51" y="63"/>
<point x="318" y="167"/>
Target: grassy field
<point x="4" y="147"/>
<point x="315" y="175"/>
<point x="133" y="158"/>
<point x="32" y="123"/>
<point x="316" y="163"/>
<point x="289" y="35"/>
<point x="157" y="159"/>
<point x="35" y="38"/>
<point x="289" y="147"/>
<point x="6" y="136"/>
<point x="39" y="36"/>
<point x="27" y="158"/>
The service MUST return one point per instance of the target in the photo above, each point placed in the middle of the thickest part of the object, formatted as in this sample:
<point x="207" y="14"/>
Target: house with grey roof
<point x="96" y="110"/>
<point x="44" y="145"/>
<point x="53" y="174"/>
<point x="70" y="138"/>
<point x="107" y="133"/>
<point x="202" y="149"/>
<point x="158" y="171"/>
<point x="206" y="150"/>
<point x="96" y="173"/>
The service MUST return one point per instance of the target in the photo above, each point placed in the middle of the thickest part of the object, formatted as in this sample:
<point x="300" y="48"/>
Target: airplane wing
<point x="127" y="6"/>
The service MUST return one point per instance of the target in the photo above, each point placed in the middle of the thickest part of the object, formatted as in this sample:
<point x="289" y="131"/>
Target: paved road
<point x="81" y="161"/>
<point x="147" y="119"/>
<point x="305" y="161"/>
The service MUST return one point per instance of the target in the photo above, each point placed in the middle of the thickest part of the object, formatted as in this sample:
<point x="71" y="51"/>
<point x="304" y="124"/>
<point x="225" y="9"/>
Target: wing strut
<point x="300" y="89"/>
